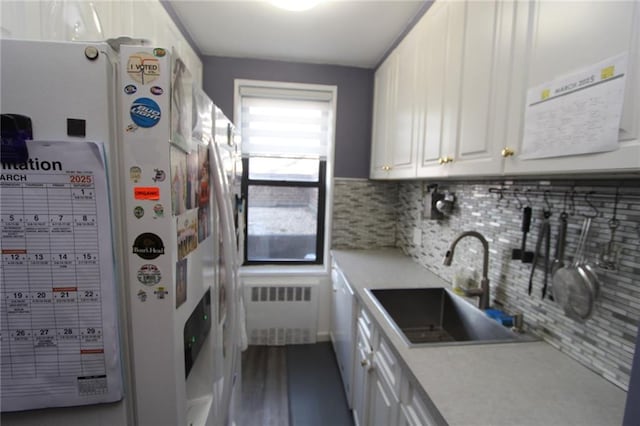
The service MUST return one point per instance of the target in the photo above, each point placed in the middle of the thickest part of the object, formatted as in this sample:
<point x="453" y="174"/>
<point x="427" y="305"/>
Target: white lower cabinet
<point x="414" y="410"/>
<point x="384" y="377"/>
<point x="383" y="405"/>
<point x="360" y="372"/>
<point x="384" y="394"/>
<point x="343" y="327"/>
<point x="361" y="368"/>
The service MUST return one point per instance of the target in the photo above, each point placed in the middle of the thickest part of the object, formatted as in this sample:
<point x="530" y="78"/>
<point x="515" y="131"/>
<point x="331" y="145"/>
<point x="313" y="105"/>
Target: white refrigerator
<point x="165" y="334"/>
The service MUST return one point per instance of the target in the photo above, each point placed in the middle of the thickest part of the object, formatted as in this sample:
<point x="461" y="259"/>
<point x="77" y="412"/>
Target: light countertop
<point x="527" y="383"/>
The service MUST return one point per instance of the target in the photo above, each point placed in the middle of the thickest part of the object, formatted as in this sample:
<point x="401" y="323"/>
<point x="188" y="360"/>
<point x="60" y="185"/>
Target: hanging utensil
<point x="567" y="276"/>
<point x="608" y="258"/>
<point x="576" y="286"/>
<point x="544" y="235"/>
<point x="582" y="297"/>
<point x="522" y="253"/>
<point x="558" y="261"/>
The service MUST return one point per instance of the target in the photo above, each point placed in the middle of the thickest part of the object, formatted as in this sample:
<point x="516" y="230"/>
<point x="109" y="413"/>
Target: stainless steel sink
<point x="432" y="316"/>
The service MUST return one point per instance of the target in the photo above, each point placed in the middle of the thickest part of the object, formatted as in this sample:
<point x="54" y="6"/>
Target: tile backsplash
<point x="604" y="343"/>
<point x="364" y="214"/>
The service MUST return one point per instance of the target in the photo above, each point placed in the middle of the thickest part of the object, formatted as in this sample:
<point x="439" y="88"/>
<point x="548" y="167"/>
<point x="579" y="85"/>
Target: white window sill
<point x="280" y="270"/>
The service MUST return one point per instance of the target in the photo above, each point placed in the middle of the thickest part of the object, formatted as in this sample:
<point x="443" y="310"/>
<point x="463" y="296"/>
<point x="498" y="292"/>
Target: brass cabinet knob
<point x="386" y="168"/>
<point x="445" y="160"/>
<point x="507" y="152"/>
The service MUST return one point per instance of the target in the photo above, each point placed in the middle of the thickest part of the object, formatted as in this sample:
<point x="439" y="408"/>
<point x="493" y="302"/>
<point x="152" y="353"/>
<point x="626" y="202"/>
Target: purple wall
<point x="355" y="100"/>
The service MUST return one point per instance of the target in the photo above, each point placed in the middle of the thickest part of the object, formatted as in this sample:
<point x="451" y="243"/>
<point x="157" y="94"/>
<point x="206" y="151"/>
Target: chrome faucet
<point x="483" y="292"/>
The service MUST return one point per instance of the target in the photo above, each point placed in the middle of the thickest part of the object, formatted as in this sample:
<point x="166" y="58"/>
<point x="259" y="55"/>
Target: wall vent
<point x="281" y="314"/>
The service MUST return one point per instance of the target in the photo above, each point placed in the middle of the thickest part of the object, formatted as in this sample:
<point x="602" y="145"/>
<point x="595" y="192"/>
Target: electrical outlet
<point x="417" y="236"/>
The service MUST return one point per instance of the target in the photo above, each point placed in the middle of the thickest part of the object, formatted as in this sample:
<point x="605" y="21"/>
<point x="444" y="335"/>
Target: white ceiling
<point x="339" y="32"/>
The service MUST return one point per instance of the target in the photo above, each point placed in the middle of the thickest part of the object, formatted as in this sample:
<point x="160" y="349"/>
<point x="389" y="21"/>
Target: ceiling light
<point x="295" y="5"/>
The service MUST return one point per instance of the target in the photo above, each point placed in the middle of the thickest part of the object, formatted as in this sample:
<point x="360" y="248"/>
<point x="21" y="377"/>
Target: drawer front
<point x="364" y="321"/>
<point x="387" y="364"/>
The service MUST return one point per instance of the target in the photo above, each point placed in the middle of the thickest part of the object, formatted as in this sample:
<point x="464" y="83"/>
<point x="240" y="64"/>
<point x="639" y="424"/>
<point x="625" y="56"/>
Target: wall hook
<point x="501" y="197"/>
<point x="516" y="191"/>
<point x="587" y="200"/>
<point x="526" y="196"/>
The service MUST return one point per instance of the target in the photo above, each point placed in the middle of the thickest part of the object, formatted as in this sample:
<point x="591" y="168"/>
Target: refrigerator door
<point x="228" y="306"/>
<point x="52" y="82"/>
<point x="67" y="89"/>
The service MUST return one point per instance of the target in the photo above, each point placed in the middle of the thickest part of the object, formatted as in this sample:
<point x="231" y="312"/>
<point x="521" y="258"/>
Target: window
<point x="287" y="135"/>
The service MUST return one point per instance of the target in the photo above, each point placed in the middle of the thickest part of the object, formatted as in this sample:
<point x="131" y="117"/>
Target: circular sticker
<point x="138" y="211"/>
<point x="145" y="112"/>
<point x="148" y="246"/>
<point x="159" y="176"/>
<point x="143" y="67"/>
<point x="130" y="89"/>
<point x="156" y="90"/>
<point x="149" y="275"/>
<point x="158" y="209"/>
<point x="159" y="52"/>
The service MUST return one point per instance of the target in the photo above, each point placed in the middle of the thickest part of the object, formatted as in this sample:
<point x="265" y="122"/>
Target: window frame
<point x="320" y="218"/>
<point x="324" y="184"/>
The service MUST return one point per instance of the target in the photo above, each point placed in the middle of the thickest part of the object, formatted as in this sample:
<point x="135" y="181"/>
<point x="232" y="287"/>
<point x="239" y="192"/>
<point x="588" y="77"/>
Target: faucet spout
<point x="483" y="292"/>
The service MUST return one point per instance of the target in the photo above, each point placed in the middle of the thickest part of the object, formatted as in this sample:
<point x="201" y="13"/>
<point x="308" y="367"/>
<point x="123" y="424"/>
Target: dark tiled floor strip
<point x="264" y="387"/>
<point x="297" y="385"/>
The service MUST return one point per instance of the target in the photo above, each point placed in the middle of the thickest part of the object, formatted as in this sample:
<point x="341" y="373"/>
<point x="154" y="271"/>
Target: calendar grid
<point x="51" y="307"/>
<point x="59" y="343"/>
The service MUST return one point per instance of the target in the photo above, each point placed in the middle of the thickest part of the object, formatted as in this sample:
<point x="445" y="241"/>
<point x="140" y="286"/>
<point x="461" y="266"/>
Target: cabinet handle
<point x="364" y="362"/>
<point x="386" y="168"/>
<point x="507" y="152"/>
<point x="445" y="160"/>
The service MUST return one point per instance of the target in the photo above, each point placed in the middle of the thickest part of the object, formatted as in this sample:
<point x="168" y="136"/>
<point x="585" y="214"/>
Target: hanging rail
<point x="522" y="191"/>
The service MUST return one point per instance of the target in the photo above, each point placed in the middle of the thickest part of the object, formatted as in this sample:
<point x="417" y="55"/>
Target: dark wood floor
<point x="297" y="385"/>
<point x="265" y="400"/>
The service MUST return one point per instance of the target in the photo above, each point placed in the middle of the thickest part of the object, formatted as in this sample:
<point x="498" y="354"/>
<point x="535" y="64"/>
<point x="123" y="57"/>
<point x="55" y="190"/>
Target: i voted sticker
<point x="145" y="112"/>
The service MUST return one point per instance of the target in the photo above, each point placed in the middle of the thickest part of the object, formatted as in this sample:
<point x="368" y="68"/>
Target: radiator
<point x="281" y="314"/>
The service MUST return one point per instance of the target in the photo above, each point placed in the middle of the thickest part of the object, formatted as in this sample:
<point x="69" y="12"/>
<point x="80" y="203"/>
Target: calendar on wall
<point x="58" y="313"/>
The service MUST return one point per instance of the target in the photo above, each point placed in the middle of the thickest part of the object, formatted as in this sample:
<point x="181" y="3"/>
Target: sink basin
<point x="432" y="316"/>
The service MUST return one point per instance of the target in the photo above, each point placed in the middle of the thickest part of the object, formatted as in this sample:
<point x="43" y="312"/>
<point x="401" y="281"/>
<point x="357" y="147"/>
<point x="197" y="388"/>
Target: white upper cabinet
<point x="480" y="72"/>
<point x="468" y="57"/>
<point x="558" y="38"/>
<point x="438" y="112"/>
<point x="395" y="137"/>
<point x="450" y="100"/>
<point x="404" y="136"/>
<point x="384" y="95"/>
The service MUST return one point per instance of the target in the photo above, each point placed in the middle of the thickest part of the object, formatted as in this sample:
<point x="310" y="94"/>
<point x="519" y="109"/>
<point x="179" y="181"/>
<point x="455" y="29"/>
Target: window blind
<point x="285" y="123"/>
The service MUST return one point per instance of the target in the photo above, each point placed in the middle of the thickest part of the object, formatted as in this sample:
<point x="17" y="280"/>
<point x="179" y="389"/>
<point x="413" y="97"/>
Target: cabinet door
<point x="558" y="38"/>
<point x="433" y="38"/>
<point x="384" y="97"/>
<point x="361" y="367"/>
<point x="382" y="409"/>
<point x="405" y="128"/>
<point x="342" y="329"/>
<point x="484" y="68"/>
<point x="414" y="410"/>
<point x="334" y="330"/>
